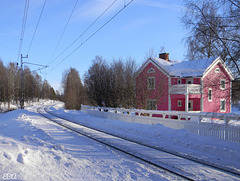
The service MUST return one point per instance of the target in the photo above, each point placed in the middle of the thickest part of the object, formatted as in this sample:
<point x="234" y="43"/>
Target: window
<point x="179" y="81"/>
<point x="189" y="81"/>
<point x="217" y="70"/>
<point x="151" y="70"/>
<point x="152" y="104"/>
<point x="151" y="83"/>
<point x="210" y="95"/>
<point x="179" y="103"/>
<point x="223" y="84"/>
<point x="223" y="105"/>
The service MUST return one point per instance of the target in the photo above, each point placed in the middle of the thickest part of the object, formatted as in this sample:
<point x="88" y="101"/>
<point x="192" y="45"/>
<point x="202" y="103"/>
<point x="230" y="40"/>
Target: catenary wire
<point x="24" y="21"/>
<point x="84" y="31"/>
<point x="37" y="26"/>
<point x="64" y="28"/>
<point x="92" y="35"/>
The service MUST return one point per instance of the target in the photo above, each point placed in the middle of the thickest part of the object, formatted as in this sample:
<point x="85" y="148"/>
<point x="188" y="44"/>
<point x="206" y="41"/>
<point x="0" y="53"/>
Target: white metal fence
<point x="202" y="123"/>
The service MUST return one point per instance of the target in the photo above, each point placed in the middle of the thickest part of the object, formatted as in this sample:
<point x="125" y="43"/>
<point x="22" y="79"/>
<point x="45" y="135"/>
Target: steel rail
<point x="181" y="155"/>
<point x="112" y="146"/>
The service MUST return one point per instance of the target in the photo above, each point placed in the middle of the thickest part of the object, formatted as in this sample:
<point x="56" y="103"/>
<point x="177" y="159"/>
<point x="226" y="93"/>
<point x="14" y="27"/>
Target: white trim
<point x="179" y="103"/>
<point x="210" y="100"/>
<point x="151" y="88"/>
<point x="150" y="60"/>
<point x="151" y="70"/>
<point x="202" y="95"/>
<point x="186" y="99"/>
<point x="179" y="80"/>
<point x="189" y="79"/>
<point x="230" y="96"/>
<point x="191" y="107"/>
<point x="169" y="95"/>
<point x="223" y="88"/>
<point x="217" y="70"/>
<point x="152" y="100"/>
<point x="224" y="110"/>
<point x="215" y="62"/>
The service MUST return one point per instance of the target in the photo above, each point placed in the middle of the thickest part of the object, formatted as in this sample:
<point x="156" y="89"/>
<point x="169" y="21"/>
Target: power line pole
<point x="22" y="82"/>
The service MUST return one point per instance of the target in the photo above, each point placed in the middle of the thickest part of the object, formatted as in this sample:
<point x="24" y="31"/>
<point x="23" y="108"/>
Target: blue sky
<point x="141" y="26"/>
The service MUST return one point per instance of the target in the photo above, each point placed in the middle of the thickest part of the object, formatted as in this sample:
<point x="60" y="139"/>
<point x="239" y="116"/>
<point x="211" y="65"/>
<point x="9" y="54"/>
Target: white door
<point x="190" y="105"/>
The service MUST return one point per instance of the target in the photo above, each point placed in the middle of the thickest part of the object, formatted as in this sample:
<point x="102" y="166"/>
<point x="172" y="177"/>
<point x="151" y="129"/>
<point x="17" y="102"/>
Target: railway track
<point x="163" y="159"/>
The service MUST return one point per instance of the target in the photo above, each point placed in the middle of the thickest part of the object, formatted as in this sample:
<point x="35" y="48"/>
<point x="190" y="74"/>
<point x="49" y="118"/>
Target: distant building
<point x="197" y="85"/>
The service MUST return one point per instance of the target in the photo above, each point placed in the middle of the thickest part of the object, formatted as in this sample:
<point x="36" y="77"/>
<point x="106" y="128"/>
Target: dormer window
<point x="151" y="70"/>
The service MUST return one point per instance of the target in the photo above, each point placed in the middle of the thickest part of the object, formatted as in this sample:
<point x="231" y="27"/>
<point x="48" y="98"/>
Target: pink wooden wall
<point x="161" y="87"/>
<point x="176" y="97"/>
<point x="212" y="80"/>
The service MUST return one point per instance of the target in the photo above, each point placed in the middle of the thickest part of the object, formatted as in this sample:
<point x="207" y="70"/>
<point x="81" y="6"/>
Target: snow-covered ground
<point x="32" y="148"/>
<point x="211" y="149"/>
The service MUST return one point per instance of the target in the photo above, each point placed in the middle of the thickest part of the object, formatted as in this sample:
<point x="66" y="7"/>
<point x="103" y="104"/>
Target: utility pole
<point x="22" y="83"/>
<point x="22" y="77"/>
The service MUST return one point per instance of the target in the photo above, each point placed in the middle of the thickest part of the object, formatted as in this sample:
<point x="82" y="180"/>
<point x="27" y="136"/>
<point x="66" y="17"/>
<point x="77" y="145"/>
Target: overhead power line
<point x="80" y="36"/>
<point x="37" y="26"/>
<point x="64" y="28"/>
<point x="24" y="21"/>
<point x="125" y="5"/>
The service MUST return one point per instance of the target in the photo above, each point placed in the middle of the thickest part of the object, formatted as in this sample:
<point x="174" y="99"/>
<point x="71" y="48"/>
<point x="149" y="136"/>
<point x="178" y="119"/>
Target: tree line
<point x="13" y="88"/>
<point x="110" y="85"/>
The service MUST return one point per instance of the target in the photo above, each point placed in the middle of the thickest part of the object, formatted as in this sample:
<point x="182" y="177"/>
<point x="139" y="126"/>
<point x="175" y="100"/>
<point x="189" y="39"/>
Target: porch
<point x="185" y="89"/>
<point x="185" y="97"/>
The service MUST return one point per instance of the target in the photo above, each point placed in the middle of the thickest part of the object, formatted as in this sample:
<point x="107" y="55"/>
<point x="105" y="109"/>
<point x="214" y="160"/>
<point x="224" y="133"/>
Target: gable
<point x="154" y="64"/>
<point x="215" y="64"/>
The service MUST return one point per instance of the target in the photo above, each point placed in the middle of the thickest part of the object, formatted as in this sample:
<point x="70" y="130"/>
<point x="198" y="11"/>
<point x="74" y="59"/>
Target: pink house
<point x="198" y="85"/>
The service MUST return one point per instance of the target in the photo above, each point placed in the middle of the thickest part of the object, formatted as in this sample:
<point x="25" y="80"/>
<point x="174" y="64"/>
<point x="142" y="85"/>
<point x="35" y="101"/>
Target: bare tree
<point x="13" y="83"/>
<point x="97" y="82"/>
<point x="3" y="83"/>
<point x="130" y="69"/>
<point x="73" y="90"/>
<point x="213" y="30"/>
<point x="111" y="85"/>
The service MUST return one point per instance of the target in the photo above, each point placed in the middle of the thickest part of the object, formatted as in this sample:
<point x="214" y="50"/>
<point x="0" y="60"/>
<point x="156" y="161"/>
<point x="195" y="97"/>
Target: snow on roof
<point x="193" y="68"/>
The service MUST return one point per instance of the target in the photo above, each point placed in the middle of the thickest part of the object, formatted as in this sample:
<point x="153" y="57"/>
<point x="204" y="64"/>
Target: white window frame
<point x="151" y="70"/>
<point x="179" y="81"/>
<point x="189" y="80"/>
<point x="179" y="103"/>
<point x="223" y="110"/>
<point x="190" y="105"/>
<point x="217" y="70"/>
<point x="152" y="104"/>
<point x="210" y="100"/>
<point x="150" y="86"/>
<point x="224" y="85"/>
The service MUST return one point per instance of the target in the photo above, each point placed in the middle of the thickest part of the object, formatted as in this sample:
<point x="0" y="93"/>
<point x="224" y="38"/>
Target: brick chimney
<point x="164" y="56"/>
